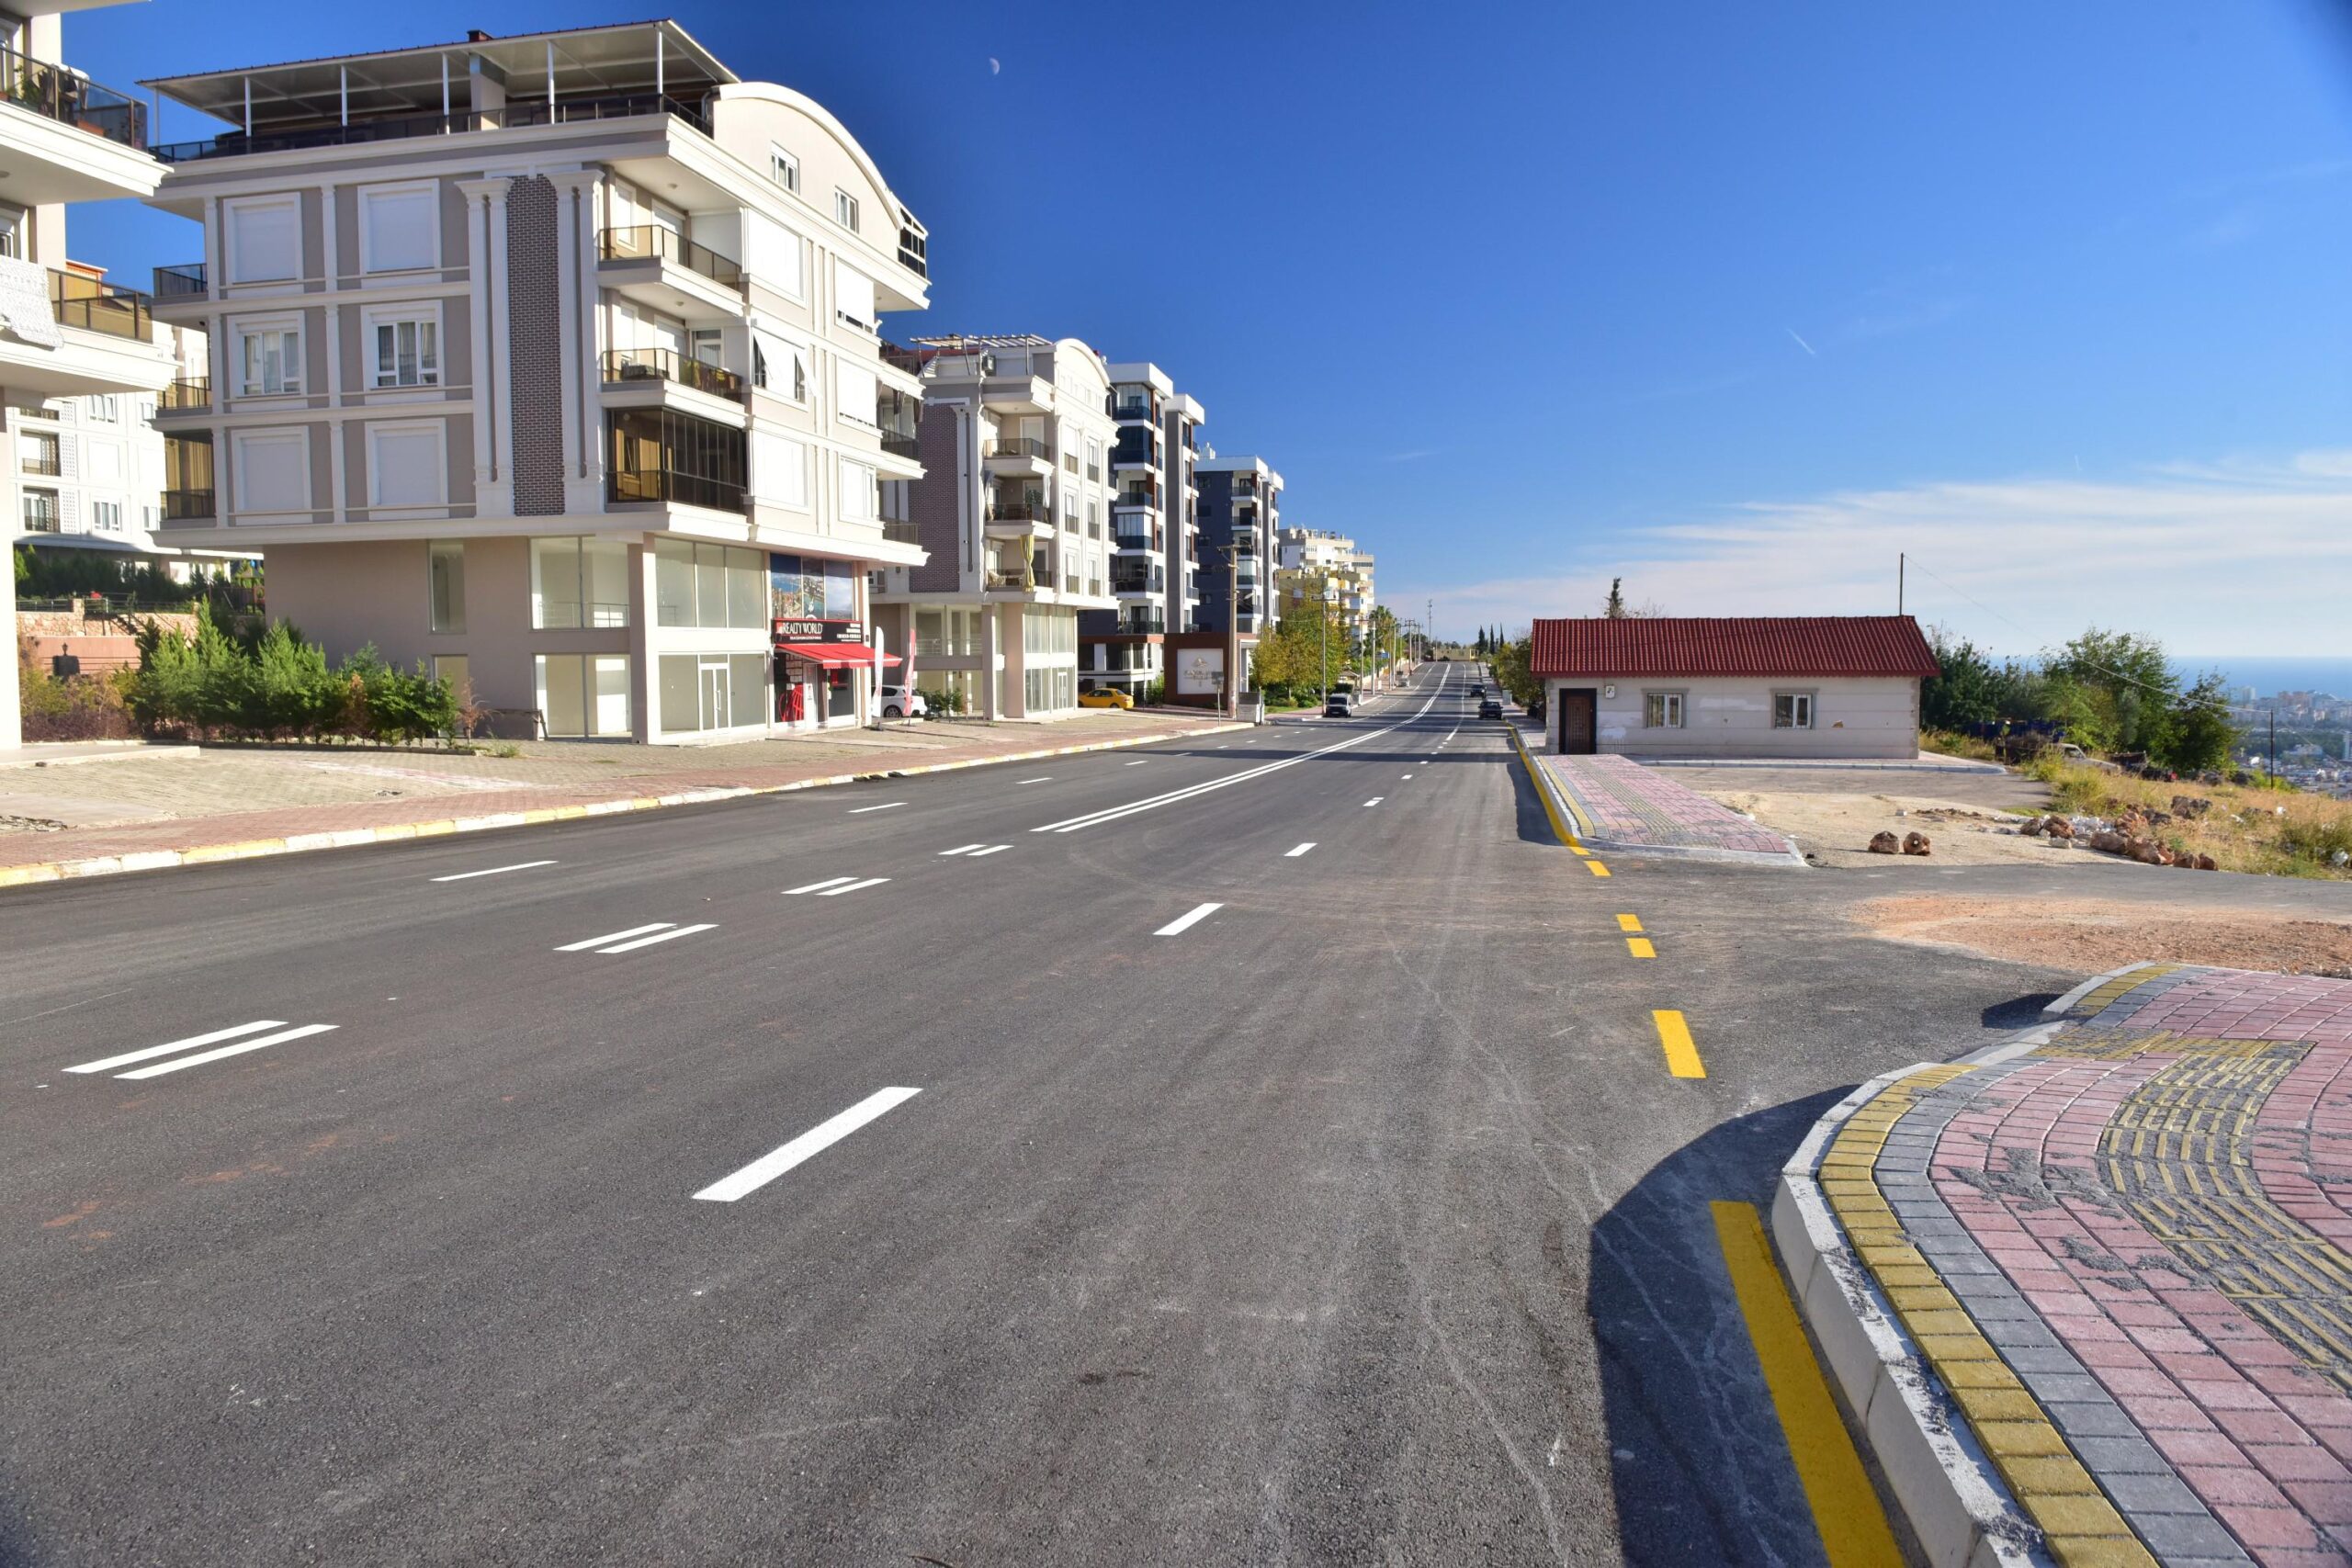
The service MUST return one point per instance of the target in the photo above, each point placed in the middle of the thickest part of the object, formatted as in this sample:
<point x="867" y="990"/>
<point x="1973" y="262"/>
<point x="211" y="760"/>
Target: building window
<point x="408" y="464"/>
<point x="400" y="227"/>
<point x="263" y="237"/>
<point x="708" y="585"/>
<point x="1661" y="710"/>
<point x="853" y="298"/>
<point x="105" y="408"/>
<point x="270" y="357"/>
<point x="12" y="230"/>
<point x="106" y="516"/>
<point x="780" y="470"/>
<point x="845" y="211"/>
<point x="714" y="691"/>
<point x="41" y="512"/>
<point x="579" y="582"/>
<point x="446" y="577"/>
<point x="583" y="696"/>
<point x="1792" y="710"/>
<point x="407" y="348"/>
<point x="660" y="455"/>
<point x="40" y="452"/>
<point x="272" y="470"/>
<point x="784" y="169"/>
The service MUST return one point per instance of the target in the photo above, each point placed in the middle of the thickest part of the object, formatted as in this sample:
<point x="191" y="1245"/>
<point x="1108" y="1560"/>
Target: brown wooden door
<point x="1576" y="722"/>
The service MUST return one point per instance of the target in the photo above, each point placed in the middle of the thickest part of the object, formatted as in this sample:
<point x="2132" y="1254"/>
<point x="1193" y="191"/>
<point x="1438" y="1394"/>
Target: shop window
<point x="583" y="696"/>
<point x="445" y="571"/>
<point x="698" y="584"/>
<point x="579" y="582"/>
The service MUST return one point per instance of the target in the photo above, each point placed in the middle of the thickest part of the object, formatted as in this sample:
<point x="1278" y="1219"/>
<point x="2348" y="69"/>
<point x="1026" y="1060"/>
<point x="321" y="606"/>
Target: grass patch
<point x="2254" y="829"/>
<point x="1946" y="743"/>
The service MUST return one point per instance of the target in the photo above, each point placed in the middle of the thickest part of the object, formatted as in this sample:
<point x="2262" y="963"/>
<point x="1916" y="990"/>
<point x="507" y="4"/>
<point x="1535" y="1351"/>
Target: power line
<point x="2087" y="663"/>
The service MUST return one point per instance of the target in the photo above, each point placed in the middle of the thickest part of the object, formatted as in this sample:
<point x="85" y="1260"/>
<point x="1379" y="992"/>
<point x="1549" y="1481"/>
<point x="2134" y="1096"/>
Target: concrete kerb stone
<point x="1567" y="807"/>
<point x="2067" y="1004"/>
<point x="1959" y="1511"/>
<point x="296" y="843"/>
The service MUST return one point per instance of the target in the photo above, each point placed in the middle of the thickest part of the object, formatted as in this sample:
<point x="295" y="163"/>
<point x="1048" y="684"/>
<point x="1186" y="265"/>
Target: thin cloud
<point x="1411" y="454"/>
<point x="1800" y="341"/>
<point x="2232" y="557"/>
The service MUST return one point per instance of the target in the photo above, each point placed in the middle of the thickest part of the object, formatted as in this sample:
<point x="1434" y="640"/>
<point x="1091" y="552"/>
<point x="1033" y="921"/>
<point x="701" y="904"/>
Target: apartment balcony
<point x="1022" y="454"/>
<point x="1017" y="519"/>
<point x="1144" y="499"/>
<point x="191" y="394"/>
<point x="68" y="139"/>
<point x="902" y="443"/>
<point x="666" y="456"/>
<point x="1140" y="622"/>
<point x="662" y="270"/>
<point x="104" y="343"/>
<point x="905" y="361"/>
<point x="1133" y="540"/>
<point x="664" y="378"/>
<point x="45" y="464"/>
<point x="1138" y="587"/>
<point x="1133" y="411"/>
<point x="189" y="505"/>
<point x="914" y="252"/>
<point x="411" y="127"/>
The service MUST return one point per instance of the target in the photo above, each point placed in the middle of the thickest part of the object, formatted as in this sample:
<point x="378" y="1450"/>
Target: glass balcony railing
<point x="181" y="282"/>
<point x="901" y="443"/>
<point x="624" y="366"/>
<point x="55" y="92"/>
<point x="93" y="305"/>
<point x="190" y="395"/>
<point x="653" y="241"/>
<point x="398" y="128"/>
<point x="676" y="486"/>
<point x="182" y="505"/>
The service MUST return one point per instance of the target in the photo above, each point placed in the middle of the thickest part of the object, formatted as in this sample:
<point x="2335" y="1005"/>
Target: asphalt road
<point x="1356" y="1221"/>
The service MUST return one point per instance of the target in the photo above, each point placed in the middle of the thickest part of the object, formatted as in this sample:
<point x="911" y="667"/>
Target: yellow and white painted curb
<point x="1960" y="1512"/>
<point x="296" y="843"/>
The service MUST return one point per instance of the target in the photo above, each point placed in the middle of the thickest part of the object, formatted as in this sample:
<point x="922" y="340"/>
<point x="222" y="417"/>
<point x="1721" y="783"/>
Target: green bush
<point x="270" y="685"/>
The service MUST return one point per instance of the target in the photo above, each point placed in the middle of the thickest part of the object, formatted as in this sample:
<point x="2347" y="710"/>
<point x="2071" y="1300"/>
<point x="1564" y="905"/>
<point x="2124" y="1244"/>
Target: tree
<point x="1614" y="607"/>
<point x="1515" y="672"/>
<point x="2200" y="735"/>
<point x="2119" y="687"/>
<point x="1964" y="692"/>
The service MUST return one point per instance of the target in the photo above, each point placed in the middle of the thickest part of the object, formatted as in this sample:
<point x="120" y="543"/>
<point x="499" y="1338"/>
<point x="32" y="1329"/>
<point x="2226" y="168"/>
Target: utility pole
<point x="1233" y="629"/>
<point x="1902" y="565"/>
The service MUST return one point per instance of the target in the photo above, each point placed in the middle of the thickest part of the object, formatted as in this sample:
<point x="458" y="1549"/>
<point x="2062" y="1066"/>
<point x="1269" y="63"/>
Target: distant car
<point x="1336" y="707"/>
<point x="1477" y="691"/>
<point x="1105" y="697"/>
<point x="898" y="702"/>
<point x="1490" y="709"/>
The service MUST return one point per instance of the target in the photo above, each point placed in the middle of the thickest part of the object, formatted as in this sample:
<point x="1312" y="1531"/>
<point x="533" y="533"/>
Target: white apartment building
<point x="91" y="467"/>
<point x="1155" y="532"/>
<point x="65" y="332"/>
<point x="1308" y="557"/>
<point x="553" y="360"/>
<point x="1014" y="512"/>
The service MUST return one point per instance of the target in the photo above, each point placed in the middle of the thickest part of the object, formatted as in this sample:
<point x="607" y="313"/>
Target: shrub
<point x="77" y="707"/>
<point x="268" y="682"/>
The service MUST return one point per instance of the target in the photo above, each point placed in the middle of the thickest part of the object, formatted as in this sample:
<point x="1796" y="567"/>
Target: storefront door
<point x="714" y="694"/>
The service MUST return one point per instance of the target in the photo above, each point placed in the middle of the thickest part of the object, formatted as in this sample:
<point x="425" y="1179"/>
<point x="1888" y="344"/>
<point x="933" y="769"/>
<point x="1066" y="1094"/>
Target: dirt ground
<point x="2089" y="935"/>
<point x="1834" y="829"/>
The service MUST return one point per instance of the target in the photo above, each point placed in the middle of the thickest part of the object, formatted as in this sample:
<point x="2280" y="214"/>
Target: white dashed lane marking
<point x="1183" y="923"/>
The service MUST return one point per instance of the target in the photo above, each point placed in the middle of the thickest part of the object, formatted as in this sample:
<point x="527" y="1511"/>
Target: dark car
<point x="1478" y="690"/>
<point x="1490" y="709"/>
<point x="1336" y="707"/>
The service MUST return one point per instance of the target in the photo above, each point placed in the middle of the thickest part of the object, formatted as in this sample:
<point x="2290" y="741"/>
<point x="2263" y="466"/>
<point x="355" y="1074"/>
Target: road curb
<point x="1562" y="808"/>
<point x="350" y="838"/>
<point x="1958" y="1507"/>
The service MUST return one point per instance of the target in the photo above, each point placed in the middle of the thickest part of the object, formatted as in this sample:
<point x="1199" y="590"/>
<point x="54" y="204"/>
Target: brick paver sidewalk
<point x="2126" y="1256"/>
<point x="438" y="794"/>
<point x="1620" y="802"/>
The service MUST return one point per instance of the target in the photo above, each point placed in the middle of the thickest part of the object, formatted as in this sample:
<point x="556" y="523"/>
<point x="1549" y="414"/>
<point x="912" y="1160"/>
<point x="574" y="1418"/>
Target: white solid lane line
<point x="1185" y="922"/>
<point x="825" y="1133"/>
<point x="189" y="1045"/>
<point x="493" y="871"/>
<point x="854" y="887"/>
<point x="613" y="936"/>
<point x="659" y="936"/>
<point x="959" y="849"/>
<point x="1138" y="763"/>
<point x="992" y="849"/>
<point x="885" y="806"/>
<point x="817" y="887"/>
<point x="1408" y="776"/>
<point x="1375" y="800"/>
<point x="239" y="1049"/>
<point x="1042" y="778"/>
<point x="1293" y="854"/>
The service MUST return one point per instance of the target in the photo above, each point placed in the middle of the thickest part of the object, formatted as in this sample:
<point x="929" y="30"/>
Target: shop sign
<point x="784" y="630"/>
<point x="1199" y="672"/>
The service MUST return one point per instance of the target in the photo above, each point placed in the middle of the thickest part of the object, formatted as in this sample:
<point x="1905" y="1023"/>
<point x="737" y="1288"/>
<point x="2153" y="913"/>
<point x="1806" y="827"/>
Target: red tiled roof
<point x="1748" y="644"/>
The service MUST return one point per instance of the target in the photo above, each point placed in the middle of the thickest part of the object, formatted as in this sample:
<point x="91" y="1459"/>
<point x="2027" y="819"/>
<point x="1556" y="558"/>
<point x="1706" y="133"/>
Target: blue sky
<point x="1736" y="300"/>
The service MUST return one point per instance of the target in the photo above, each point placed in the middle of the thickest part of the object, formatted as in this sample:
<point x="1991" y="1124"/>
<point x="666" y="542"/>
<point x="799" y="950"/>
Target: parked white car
<point x="898" y="702"/>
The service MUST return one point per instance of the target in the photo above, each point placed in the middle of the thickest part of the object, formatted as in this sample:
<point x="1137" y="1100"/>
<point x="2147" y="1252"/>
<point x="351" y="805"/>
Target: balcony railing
<point x="93" y="305"/>
<point x="1020" y="511"/>
<point x="1132" y="411"/>
<point x="901" y="444"/>
<point x="907" y="360"/>
<point x="40" y="520"/>
<point x="1133" y="541"/>
<point x="622" y="366"/>
<point x="398" y="128"/>
<point x="901" y="530"/>
<point x="1020" y="582"/>
<point x="69" y="100"/>
<point x="914" y="253"/>
<point x="1141" y="621"/>
<point x="671" y="485"/>
<point x="181" y="504"/>
<point x="190" y="395"/>
<point x="46" y="463"/>
<point x="181" y="282"/>
<point x="651" y="240"/>
<point x="1131" y="584"/>
<point x="1018" y="447"/>
<point x="1137" y="498"/>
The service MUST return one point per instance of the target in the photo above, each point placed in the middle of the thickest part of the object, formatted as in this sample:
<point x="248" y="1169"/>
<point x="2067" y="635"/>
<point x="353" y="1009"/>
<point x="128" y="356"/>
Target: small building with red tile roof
<point x="1796" y="686"/>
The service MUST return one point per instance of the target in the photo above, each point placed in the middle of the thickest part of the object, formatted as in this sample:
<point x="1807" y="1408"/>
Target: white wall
<point x="1876" y="717"/>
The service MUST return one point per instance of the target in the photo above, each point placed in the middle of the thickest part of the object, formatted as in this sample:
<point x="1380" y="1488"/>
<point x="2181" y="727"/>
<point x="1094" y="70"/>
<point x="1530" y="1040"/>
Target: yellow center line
<point x="1629" y="922"/>
<point x="1681" y="1055"/>
<point x="1639" y="946"/>
<point x="1595" y="867"/>
<point x="1846" y="1508"/>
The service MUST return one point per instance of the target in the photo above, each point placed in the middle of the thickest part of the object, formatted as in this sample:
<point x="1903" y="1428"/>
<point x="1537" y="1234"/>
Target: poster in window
<point x="841" y="590"/>
<point x="796" y="588"/>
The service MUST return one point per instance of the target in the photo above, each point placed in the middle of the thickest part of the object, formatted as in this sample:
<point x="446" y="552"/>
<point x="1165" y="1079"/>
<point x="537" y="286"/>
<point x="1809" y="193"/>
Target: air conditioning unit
<point x="988" y="364"/>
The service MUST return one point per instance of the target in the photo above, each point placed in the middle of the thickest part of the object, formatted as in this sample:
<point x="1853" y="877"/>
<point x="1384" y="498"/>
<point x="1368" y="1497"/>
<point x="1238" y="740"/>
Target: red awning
<point x="834" y="655"/>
